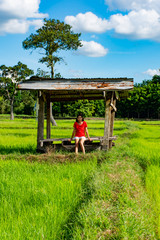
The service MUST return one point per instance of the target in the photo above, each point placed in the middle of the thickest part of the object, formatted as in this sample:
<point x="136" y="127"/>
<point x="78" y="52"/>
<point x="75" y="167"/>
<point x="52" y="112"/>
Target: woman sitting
<point x="80" y="129"/>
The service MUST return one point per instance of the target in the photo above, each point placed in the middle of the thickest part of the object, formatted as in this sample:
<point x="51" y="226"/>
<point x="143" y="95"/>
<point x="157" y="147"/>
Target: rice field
<point x="37" y="199"/>
<point x="20" y="135"/>
<point x="114" y="195"/>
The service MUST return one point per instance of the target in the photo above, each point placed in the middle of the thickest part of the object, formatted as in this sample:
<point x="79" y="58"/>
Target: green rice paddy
<point x="113" y="195"/>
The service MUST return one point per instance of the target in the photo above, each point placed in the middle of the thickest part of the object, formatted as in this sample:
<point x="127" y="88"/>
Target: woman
<point x="80" y="129"/>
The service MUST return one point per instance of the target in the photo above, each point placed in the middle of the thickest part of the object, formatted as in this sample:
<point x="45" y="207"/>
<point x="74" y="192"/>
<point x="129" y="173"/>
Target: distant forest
<point x="142" y="102"/>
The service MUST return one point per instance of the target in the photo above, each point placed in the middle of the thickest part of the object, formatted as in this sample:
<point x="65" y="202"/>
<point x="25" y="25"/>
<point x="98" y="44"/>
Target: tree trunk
<point x="52" y="71"/>
<point x="11" y="112"/>
<point x="51" y="116"/>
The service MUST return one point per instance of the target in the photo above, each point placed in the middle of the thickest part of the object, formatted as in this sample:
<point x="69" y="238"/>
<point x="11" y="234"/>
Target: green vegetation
<point x="36" y="199"/>
<point x="9" y="79"/>
<point x="143" y="101"/>
<point x="113" y="195"/>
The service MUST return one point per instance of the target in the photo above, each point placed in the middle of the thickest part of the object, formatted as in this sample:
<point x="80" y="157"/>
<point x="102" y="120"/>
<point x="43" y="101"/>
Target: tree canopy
<point x="143" y="101"/>
<point x="9" y="78"/>
<point x="52" y="37"/>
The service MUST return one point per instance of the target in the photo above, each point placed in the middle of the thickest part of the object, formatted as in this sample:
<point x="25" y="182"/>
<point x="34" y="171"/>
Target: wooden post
<point x="48" y="117"/>
<point x="113" y="101"/>
<point x="105" y="142"/>
<point x="40" y="131"/>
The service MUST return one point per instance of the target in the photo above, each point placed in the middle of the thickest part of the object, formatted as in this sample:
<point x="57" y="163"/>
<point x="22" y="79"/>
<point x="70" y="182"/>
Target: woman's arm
<point x="86" y="130"/>
<point x="73" y="134"/>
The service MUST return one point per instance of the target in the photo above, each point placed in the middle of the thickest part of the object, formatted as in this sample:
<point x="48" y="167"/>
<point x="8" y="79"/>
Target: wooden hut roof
<point x="102" y="84"/>
<point x="78" y="88"/>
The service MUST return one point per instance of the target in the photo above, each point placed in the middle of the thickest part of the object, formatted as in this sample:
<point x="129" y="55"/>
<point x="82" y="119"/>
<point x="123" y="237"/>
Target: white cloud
<point x="16" y="16"/>
<point x="142" y="24"/>
<point x="152" y="72"/>
<point x="14" y="26"/>
<point x="92" y="49"/>
<point x="133" y="4"/>
<point x="142" y="21"/>
<point x="87" y="22"/>
<point x="21" y="8"/>
<point x="19" y="26"/>
<point x="37" y="23"/>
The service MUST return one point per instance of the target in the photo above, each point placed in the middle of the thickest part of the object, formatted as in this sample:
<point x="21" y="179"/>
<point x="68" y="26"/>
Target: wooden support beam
<point x="40" y="130"/>
<point x="113" y="102"/>
<point x="105" y="143"/>
<point x="48" y="134"/>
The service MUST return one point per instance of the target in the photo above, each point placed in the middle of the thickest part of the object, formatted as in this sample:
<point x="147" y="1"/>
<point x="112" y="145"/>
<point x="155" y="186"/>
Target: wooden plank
<point x="100" y="84"/>
<point x="48" y="133"/>
<point x="65" y="98"/>
<point x="113" y="101"/>
<point x="76" y="96"/>
<point x="105" y="142"/>
<point x="40" y="129"/>
<point x="66" y="139"/>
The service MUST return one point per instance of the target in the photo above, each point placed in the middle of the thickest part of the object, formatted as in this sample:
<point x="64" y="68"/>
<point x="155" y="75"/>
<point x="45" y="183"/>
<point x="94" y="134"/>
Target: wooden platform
<point x="95" y="144"/>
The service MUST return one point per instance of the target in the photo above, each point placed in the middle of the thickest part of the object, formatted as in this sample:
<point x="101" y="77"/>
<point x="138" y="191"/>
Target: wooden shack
<point x="54" y="90"/>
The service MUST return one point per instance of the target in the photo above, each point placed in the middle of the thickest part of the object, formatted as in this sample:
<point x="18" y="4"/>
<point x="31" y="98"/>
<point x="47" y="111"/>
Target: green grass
<point x="37" y="199"/>
<point x="113" y="195"/>
<point x="145" y="143"/>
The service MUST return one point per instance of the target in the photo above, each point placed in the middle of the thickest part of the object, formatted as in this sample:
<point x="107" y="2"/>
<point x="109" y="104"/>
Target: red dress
<point x="80" y="129"/>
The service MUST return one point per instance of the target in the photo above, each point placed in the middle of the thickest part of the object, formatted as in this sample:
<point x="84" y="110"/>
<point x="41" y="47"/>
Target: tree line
<point x="142" y="102"/>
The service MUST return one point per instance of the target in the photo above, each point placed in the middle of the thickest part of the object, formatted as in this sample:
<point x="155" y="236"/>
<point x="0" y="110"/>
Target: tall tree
<point x="9" y="78"/>
<point x="52" y="37"/>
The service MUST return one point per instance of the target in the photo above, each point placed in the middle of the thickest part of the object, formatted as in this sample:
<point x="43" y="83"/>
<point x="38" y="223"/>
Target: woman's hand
<point x="89" y="139"/>
<point x="70" y="139"/>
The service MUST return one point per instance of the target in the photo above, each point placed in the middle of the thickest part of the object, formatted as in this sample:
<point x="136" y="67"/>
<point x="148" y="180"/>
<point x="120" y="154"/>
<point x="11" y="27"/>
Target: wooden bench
<point x="63" y="140"/>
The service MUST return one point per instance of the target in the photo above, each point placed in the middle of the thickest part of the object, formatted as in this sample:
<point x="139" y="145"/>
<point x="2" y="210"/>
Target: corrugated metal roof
<point x="77" y="84"/>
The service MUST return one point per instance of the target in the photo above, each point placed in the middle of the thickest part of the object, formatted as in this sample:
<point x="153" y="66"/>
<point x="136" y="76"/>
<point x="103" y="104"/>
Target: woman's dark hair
<point x="78" y="116"/>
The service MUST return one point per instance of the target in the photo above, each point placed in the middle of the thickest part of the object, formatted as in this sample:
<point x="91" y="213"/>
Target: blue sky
<point x="121" y="38"/>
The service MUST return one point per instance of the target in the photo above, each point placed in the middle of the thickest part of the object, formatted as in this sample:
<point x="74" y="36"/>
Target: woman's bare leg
<point x="76" y="146"/>
<point x="82" y="145"/>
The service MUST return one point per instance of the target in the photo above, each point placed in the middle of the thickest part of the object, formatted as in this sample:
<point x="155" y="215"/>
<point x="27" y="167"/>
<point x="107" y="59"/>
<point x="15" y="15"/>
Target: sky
<point x="120" y="38"/>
